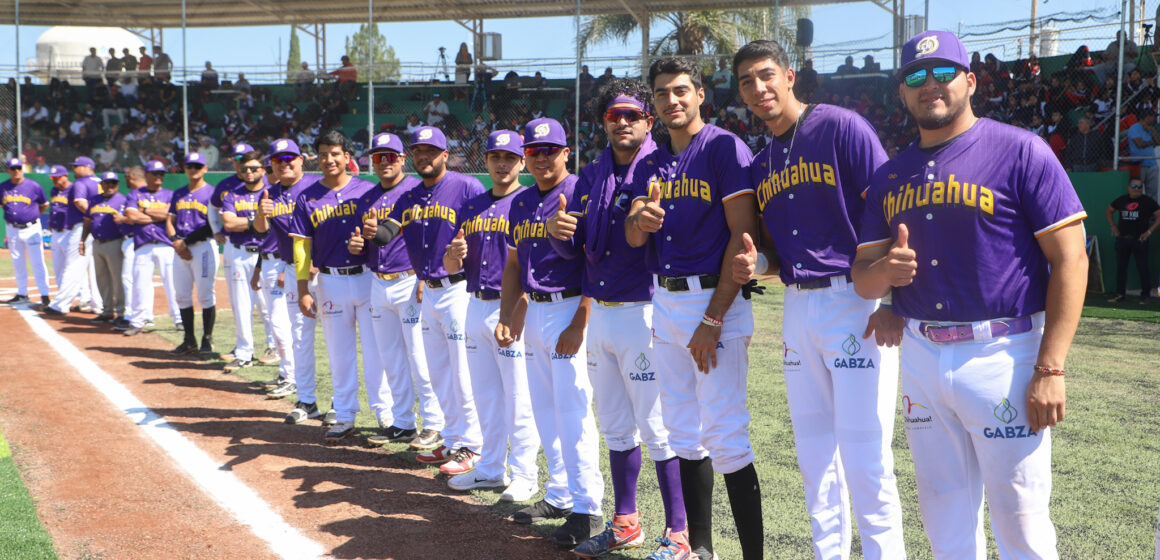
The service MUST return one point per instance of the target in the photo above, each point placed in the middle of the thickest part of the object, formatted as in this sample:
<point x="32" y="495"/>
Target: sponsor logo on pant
<point x="915" y="419"/>
<point x="1006" y="413"/>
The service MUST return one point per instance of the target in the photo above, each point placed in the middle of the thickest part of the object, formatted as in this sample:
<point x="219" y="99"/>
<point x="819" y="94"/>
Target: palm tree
<point x="699" y="32"/>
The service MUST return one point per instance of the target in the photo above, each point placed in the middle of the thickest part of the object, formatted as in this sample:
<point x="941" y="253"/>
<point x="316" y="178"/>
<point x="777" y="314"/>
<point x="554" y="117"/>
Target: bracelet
<point x="1049" y="371"/>
<point x="707" y="320"/>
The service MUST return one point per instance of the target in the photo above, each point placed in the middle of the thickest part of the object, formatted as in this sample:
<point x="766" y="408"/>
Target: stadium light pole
<point x="18" y="119"/>
<point x="1119" y="89"/>
<point x="576" y="121"/>
<point x="184" y="83"/>
<point x="370" y="72"/>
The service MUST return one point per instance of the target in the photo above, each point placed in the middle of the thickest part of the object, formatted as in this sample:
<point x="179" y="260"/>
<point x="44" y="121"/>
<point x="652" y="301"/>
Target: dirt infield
<point x="104" y="490"/>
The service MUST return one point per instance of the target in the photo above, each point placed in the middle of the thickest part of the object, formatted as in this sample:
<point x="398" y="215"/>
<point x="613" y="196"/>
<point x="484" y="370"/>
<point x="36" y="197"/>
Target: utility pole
<point x="1034" y="16"/>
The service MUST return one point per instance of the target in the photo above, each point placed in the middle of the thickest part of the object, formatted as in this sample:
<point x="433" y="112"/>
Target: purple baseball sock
<point x="625" y="467"/>
<point x="669" y="479"/>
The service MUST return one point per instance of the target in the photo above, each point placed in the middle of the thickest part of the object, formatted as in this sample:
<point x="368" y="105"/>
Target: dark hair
<point x="761" y="49"/>
<point x="250" y="156"/>
<point x="615" y="87"/>
<point x="675" y="65"/>
<point x="334" y="137"/>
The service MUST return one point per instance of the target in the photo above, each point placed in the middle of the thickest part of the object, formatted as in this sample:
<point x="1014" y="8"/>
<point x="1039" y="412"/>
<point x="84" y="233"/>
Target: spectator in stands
<point x="126" y="156"/>
<point x="304" y="83"/>
<point x="1131" y="50"/>
<point x="1138" y="218"/>
<point x="209" y="77"/>
<point x="210" y="152"/>
<point x="869" y="66"/>
<point x="1086" y="148"/>
<point x="1142" y="142"/>
<point x="129" y="64"/>
<point x="586" y="83"/>
<point x="162" y="65"/>
<point x="41" y="165"/>
<point x="847" y="68"/>
<point x="346" y="77"/>
<point x="36" y="116"/>
<point x="603" y="79"/>
<point x="92" y="69"/>
<point x="806" y="82"/>
<point x="105" y="156"/>
<point x="113" y="68"/>
<point x="242" y="84"/>
<point x="436" y="110"/>
<point x="463" y="63"/>
<point x="145" y="63"/>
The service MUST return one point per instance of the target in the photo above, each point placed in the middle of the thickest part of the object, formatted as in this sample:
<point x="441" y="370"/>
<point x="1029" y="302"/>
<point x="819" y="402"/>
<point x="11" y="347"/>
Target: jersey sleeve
<point x="300" y="224"/>
<point x="874" y="229"/>
<point x="225" y="203"/>
<point x="1046" y="196"/>
<point x="217" y="199"/>
<point x="863" y="154"/>
<point x="39" y="197"/>
<point x="730" y="158"/>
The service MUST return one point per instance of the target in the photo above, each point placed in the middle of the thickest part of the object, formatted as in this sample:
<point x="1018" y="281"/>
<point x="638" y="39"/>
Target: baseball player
<point x="324" y="220"/>
<point x="395" y="311"/>
<point x="976" y="230"/>
<point x="809" y="181"/>
<point x="276" y="277"/>
<point x="58" y="223"/>
<point x="557" y="316"/>
<point x="147" y="209"/>
<point x="196" y="249"/>
<point x="427" y="219"/>
<point x="134" y="179"/>
<point x="232" y="254"/>
<point x="620" y="350"/>
<point x="499" y="375"/>
<point x="702" y="322"/>
<point x="106" y="214"/>
<point x="23" y="201"/>
<point x="85" y="186"/>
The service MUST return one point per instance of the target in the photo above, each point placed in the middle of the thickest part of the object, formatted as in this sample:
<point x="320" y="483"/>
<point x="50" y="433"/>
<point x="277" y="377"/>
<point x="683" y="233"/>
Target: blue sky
<point x="551" y="37"/>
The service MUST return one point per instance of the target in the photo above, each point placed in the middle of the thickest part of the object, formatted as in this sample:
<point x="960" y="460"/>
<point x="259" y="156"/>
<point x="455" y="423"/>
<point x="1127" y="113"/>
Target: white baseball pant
<point x="199" y="272"/>
<point x="966" y="421"/>
<point x="344" y="303"/>
<point x="91" y="293"/>
<point x="706" y="415"/>
<point x="499" y="379"/>
<point x="301" y="327"/>
<point x="144" y="259"/>
<point x="26" y="247"/>
<point x="395" y="317"/>
<point x="562" y="405"/>
<point x="444" y="315"/>
<point x="71" y="281"/>
<point x="279" y="316"/>
<point x="842" y="390"/>
<point x="127" y="254"/>
<point x="623" y="370"/>
<point x="59" y="256"/>
<point x="238" y="274"/>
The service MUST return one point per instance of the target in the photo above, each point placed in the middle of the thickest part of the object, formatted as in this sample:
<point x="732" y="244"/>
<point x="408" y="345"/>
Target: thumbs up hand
<point x="745" y="262"/>
<point x="370" y="225"/>
<point x="356" y="243"/>
<point x="561" y="225"/>
<point x="457" y="249"/>
<point x="652" y="216"/>
<point x="265" y="205"/>
<point x="901" y="261"/>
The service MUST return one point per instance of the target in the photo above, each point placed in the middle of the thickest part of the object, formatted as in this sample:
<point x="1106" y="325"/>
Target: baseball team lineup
<point x="615" y="303"/>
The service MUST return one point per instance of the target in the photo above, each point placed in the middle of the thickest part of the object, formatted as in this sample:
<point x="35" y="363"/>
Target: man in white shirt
<point x="436" y="110"/>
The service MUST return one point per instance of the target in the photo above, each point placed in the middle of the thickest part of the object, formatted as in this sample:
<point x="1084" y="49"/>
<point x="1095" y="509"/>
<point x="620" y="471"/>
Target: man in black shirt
<point x="1136" y="225"/>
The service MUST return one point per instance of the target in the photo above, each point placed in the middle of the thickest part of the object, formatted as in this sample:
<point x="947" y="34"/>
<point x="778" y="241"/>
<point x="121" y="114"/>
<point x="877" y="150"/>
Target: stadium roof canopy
<point x="227" y="13"/>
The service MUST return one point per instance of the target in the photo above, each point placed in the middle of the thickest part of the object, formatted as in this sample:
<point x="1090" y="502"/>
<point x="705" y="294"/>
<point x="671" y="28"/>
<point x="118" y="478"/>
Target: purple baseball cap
<point x="242" y="149"/>
<point x="386" y="142"/>
<point x="155" y="166"/>
<point x="429" y="136"/>
<point x="283" y="146"/>
<point x="505" y="141"/>
<point x="544" y="131"/>
<point x="933" y="45"/>
<point x="194" y="158"/>
<point x="58" y="171"/>
<point x="110" y="176"/>
<point x="15" y="162"/>
<point x="82" y="160"/>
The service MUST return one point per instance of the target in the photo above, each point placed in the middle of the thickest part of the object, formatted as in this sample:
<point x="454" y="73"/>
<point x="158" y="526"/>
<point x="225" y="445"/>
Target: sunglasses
<point x="251" y="168"/>
<point x="156" y="173"/>
<point x="283" y="159"/>
<point x="546" y="151"/>
<point x="385" y="157"/>
<point x="1135" y="186"/>
<point x="238" y="157"/>
<point x="631" y="115"/>
<point x="194" y="166"/>
<point x="942" y="75"/>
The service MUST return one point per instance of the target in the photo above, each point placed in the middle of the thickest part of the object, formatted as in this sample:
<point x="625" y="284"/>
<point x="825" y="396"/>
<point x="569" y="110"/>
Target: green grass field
<point x="22" y="537"/>
<point x="1106" y="453"/>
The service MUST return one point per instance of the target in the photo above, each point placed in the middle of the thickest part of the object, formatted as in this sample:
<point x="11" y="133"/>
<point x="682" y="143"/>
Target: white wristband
<point x="887" y="300"/>
<point x="762" y="264"/>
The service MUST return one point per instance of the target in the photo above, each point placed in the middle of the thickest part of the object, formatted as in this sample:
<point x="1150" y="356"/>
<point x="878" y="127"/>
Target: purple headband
<point x="622" y="98"/>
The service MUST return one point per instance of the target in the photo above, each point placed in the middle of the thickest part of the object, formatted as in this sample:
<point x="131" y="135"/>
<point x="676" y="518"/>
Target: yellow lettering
<point x="936" y="197"/>
<point x="986" y="201"/>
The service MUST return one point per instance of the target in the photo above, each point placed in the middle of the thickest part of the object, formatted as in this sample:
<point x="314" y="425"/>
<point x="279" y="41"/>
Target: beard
<point x="429" y="173"/>
<point x="935" y="122"/>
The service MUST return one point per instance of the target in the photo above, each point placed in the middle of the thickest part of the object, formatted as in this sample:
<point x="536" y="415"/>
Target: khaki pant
<point x="108" y="260"/>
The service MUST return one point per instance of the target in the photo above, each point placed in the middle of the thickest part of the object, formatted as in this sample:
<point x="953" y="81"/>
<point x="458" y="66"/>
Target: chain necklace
<point x="789" y="153"/>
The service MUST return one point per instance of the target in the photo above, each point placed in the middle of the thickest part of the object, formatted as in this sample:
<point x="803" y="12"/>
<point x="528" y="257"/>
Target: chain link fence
<point x="8" y="145"/>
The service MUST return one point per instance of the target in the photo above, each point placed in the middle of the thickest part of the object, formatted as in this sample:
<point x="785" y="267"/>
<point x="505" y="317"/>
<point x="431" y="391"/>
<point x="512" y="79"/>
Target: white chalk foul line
<point x="225" y="488"/>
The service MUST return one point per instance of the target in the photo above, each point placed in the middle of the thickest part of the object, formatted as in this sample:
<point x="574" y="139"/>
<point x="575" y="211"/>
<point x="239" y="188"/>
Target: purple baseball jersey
<point x="694" y="186"/>
<point x="101" y="213"/>
<point x="22" y="201"/>
<point x="143" y="199"/>
<point x="229" y="184"/>
<point x="191" y="209"/>
<point x="83" y="188"/>
<point x="284" y="198"/>
<point x="542" y="269"/>
<point x="126" y="228"/>
<point x="429" y="218"/>
<point x="58" y="208"/>
<point x="973" y="208"/>
<point x="613" y="269"/>
<point x="391" y="257"/>
<point x="812" y="206"/>
<point x="485" y="226"/>
<point x="243" y="203"/>
<point x="329" y="217"/>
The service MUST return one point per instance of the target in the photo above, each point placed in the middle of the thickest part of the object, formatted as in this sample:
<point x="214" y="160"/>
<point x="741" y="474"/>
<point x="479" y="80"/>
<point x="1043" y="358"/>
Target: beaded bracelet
<point x="1049" y="371"/>
<point x="707" y="320"/>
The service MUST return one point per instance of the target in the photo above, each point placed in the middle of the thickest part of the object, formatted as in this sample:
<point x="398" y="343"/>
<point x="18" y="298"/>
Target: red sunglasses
<point x="546" y="151"/>
<point x="631" y="115"/>
<point x="385" y="157"/>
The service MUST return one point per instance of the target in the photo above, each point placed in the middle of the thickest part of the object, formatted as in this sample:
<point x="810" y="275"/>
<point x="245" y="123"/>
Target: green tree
<point x="294" y="59"/>
<point x="369" y="45"/>
<point x="699" y="32"/>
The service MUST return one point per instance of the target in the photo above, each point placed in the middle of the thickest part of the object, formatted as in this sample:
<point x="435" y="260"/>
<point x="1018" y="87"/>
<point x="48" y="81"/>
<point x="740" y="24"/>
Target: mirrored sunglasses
<point x="385" y="157"/>
<point x="942" y="75"/>
<point x="546" y="151"/>
<point x="630" y="115"/>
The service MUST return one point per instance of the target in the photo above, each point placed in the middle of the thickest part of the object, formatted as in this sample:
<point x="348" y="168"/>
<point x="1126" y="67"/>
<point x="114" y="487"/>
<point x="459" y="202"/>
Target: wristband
<point x="887" y="301"/>
<point x="762" y="264"/>
<point x="1049" y="371"/>
<point x="707" y="320"/>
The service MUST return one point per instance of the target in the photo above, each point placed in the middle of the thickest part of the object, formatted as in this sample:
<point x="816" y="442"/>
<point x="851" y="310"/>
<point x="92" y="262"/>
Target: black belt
<point x="342" y="271"/>
<point x="20" y="226"/>
<point x="681" y="283"/>
<point x="554" y="296"/>
<point x="439" y="282"/>
<point x="268" y="256"/>
<point x="119" y="238"/>
<point x="821" y="282"/>
<point x="487" y="295"/>
<point x="246" y="248"/>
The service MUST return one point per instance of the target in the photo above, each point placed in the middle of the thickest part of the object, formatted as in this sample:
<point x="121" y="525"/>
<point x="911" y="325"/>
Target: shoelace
<point x="462" y="455"/>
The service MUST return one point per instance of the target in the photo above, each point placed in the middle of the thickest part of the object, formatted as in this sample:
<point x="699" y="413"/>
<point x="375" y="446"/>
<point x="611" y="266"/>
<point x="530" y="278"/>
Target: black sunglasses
<point x="942" y="75"/>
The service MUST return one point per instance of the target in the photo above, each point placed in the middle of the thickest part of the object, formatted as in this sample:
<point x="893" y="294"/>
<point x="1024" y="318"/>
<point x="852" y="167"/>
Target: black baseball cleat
<point x="541" y="511"/>
<point x="578" y="528"/>
<point x="187" y="348"/>
<point x="16" y="300"/>
<point x="206" y="345"/>
<point x="44" y="300"/>
<point x="101" y="319"/>
<point x="392" y="434"/>
<point x="50" y="310"/>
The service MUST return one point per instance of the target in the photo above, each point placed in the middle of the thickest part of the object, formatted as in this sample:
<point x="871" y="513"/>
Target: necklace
<point x="797" y="121"/>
